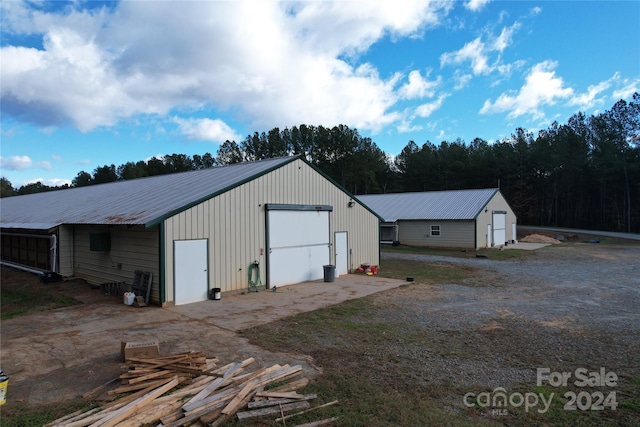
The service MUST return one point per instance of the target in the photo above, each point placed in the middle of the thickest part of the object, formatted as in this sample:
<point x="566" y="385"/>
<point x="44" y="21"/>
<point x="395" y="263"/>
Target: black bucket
<point x="214" y="294"/>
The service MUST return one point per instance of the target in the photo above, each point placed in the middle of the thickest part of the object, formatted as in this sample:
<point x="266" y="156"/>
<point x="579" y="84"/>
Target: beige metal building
<point x="268" y="223"/>
<point x="469" y="219"/>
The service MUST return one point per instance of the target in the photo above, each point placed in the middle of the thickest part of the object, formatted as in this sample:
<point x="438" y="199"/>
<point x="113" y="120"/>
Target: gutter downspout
<point x="54" y="253"/>
<point x="161" y="267"/>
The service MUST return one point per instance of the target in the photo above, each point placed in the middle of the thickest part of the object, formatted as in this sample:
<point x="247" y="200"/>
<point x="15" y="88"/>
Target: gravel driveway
<point x="567" y="307"/>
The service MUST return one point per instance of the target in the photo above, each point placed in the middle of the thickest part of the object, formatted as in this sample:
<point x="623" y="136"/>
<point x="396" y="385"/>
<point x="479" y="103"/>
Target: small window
<point x="100" y="242"/>
<point x="435" y="230"/>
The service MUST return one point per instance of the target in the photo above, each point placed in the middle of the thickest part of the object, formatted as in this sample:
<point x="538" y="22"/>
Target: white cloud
<point x="629" y="87"/>
<point x="406" y="126"/>
<point x="590" y="99"/>
<point x="461" y="79"/>
<point x="504" y="40"/>
<point x="206" y="130"/>
<point x="476" y="5"/>
<point x="15" y="163"/>
<point x="418" y="86"/>
<point x="542" y="88"/>
<point x="474" y="52"/>
<point x="271" y="63"/>
<point x="478" y="52"/>
<point x="44" y="165"/>
<point x="83" y="162"/>
<point x="57" y="158"/>
<point x="55" y="182"/>
<point x="51" y="182"/>
<point x="425" y="110"/>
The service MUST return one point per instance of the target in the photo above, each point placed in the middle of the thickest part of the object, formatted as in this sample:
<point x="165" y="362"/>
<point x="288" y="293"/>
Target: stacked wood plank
<point x="189" y="388"/>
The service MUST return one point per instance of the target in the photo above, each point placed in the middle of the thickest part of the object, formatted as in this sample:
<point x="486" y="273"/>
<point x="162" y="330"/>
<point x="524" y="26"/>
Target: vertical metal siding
<point x="133" y="247"/>
<point x="234" y="223"/>
<point x="497" y="203"/>
<point x="65" y="250"/>
<point x="453" y="234"/>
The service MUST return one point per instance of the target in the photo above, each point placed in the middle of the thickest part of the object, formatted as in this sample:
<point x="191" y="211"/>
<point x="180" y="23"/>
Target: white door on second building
<point x="499" y="228"/>
<point x="298" y="245"/>
<point x="191" y="282"/>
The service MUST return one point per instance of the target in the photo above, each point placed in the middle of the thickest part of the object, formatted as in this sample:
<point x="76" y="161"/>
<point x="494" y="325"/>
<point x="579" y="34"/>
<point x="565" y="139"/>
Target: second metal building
<point x="470" y="219"/>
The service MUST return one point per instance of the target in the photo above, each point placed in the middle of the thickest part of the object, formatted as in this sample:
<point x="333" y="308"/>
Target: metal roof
<point x="430" y="205"/>
<point x="143" y="201"/>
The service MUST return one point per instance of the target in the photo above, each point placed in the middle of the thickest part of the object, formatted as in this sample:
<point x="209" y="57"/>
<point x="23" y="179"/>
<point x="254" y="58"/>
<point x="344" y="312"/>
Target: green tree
<point x="6" y="188"/>
<point x="616" y="134"/>
<point x="229" y="153"/>
<point x="203" y="162"/>
<point x="35" y="187"/>
<point x="178" y="163"/>
<point x="131" y="170"/>
<point x="156" y="166"/>
<point x="104" y="174"/>
<point x="82" y="179"/>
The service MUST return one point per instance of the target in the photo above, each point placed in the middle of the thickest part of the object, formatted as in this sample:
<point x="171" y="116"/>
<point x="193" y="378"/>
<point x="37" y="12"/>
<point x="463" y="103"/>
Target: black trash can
<point x="329" y="273"/>
<point x="214" y="294"/>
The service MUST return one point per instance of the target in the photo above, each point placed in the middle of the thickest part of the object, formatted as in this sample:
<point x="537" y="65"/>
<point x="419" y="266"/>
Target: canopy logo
<point x="498" y="400"/>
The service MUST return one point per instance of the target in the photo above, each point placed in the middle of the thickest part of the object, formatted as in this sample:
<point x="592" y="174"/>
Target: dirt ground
<point x="61" y="353"/>
<point x="566" y="308"/>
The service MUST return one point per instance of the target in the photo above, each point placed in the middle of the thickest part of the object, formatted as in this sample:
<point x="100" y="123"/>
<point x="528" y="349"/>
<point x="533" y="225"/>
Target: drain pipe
<point x="54" y="253"/>
<point x="22" y="267"/>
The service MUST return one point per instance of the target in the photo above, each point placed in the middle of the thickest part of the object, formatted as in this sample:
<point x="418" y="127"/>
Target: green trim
<point x="219" y="192"/>
<point x="379" y="242"/>
<point x="162" y="282"/>
<point x="267" y="280"/>
<point x="328" y="178"/>
<point x="313" y="208"/>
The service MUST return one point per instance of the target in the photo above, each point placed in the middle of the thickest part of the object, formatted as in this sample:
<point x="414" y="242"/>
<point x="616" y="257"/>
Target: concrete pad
<point x="44" y="350"/>
<point x="237" y="311"/>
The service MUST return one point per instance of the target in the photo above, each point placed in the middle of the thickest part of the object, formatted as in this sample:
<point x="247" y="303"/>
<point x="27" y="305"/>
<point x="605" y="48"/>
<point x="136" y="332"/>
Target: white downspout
<point x="54" y="253"/>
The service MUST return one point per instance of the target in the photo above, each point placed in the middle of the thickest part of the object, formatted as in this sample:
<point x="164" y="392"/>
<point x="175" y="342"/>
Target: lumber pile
<point x="189" y="388"/>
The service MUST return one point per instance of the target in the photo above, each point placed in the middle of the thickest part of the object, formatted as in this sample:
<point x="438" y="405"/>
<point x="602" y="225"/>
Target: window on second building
<point x="435" y="230"/>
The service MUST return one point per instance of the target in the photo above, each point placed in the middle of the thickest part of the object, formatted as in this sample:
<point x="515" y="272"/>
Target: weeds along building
<point x="280" y="220"/>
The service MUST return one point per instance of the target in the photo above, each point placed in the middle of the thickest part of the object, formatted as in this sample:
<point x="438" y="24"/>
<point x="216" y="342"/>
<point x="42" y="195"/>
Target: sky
<point x="90" y="83"/>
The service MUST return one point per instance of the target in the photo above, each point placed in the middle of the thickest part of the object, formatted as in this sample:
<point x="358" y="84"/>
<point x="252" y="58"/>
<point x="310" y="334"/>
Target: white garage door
<point x="499" y="228"/>
<point x="298" y="245"/>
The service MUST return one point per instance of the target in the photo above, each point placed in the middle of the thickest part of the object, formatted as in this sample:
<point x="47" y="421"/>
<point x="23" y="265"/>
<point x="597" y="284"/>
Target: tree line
<point x="582" y="174"/>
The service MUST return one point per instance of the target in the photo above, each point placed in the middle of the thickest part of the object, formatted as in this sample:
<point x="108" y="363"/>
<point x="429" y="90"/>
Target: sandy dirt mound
<point x="539" y="238"/>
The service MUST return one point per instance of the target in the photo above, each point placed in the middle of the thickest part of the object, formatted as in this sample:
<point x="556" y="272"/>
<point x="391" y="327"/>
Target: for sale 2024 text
<point x="583" y="400"/>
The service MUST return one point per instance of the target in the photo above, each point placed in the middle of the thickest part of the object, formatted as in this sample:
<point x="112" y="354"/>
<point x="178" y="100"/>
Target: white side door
<point x="191" y="282"/>
<point x="499" y="228"/>
<point x="342" y="252"/>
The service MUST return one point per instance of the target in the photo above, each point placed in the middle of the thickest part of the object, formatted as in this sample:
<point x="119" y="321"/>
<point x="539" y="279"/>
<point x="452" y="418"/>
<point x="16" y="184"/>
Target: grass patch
<point x="23" y="293"/>
<point x="18" y="302"/>
<point x="423" y="272"/>
<point x="23" y="415"/>
<point x="360" y="368"/>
